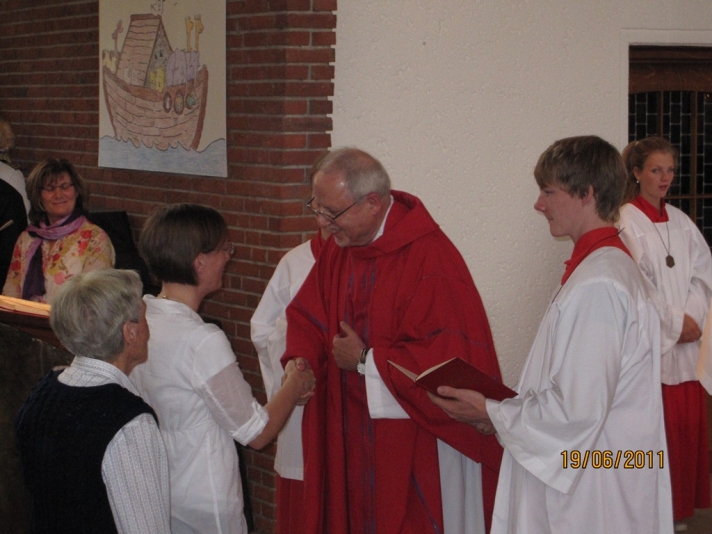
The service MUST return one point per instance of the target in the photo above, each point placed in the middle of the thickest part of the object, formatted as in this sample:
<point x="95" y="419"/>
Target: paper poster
<point x="162" y="91"/>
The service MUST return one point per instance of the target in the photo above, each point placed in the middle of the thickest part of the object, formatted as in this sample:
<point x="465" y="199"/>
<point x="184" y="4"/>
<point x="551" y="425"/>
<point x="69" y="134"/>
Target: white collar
<point x="383" y="223"/>
<point x="111" y="373"/>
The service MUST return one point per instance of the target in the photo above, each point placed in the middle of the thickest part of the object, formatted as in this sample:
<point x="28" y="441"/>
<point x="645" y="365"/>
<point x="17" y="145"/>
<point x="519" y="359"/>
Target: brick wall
<point x="279" y="80"/>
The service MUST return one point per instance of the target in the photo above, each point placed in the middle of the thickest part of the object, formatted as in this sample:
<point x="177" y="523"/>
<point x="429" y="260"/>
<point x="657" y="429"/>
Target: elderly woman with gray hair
<point x="92" y="456"/>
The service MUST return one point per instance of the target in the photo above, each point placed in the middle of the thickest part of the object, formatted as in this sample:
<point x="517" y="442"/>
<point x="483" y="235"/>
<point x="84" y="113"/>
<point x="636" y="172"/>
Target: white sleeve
<point x="671" y="317"/>
<point x="584" y="359"/>
<point x="704" y="362"/>
<point x="268" y="330"/>
<point x="700" y="292"/>
<point x="217" y="378"/>
<point x="381" y="403"/>
<point x="229" y="399"/>
<point x="268" y="325"/>
<point x="135" y="472"/>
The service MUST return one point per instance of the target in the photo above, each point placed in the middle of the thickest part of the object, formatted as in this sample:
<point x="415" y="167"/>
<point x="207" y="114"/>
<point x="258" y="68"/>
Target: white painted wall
<point x="458" y="98"/>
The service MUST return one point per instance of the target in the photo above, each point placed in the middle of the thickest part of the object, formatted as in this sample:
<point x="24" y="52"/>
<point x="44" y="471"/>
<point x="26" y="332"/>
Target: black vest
<point x="62" y="433"/>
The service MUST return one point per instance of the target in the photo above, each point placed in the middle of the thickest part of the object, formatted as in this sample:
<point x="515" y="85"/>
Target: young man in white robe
<point x="584" y="440"/>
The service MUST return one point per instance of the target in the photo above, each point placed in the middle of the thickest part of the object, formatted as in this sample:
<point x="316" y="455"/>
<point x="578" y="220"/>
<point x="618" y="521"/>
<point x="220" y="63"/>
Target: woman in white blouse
<point x="672" y="253"/>
<point x="191" y="378"/>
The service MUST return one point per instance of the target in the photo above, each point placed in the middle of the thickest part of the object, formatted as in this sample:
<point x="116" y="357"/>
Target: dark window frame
<point x="669" y="71"/>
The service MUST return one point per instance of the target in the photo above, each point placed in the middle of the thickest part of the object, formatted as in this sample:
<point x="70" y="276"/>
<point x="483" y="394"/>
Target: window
<point x="670" y="95"/>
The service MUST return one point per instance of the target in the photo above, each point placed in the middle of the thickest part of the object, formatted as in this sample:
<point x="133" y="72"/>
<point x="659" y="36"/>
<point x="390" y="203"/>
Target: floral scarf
<point x="34" y="285"/>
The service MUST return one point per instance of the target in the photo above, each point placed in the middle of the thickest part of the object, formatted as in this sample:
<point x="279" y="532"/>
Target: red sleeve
<point x="445" y="318"/>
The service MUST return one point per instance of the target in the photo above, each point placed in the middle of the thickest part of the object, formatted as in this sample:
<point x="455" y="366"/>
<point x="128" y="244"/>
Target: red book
<point x="458" y="373"/>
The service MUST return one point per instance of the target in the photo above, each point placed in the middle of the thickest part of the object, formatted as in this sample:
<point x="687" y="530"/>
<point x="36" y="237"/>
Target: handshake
<point x="299" y="377"/>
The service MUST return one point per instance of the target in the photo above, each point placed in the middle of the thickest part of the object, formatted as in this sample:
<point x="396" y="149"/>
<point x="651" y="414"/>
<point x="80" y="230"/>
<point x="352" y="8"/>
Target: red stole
<point x="590" y="241"/>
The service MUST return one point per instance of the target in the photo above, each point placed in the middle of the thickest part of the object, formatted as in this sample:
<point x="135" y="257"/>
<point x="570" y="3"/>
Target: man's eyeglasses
<point x="328" y="217"/>
<point x="62" y="187"/>
<point x="229" y="248"/>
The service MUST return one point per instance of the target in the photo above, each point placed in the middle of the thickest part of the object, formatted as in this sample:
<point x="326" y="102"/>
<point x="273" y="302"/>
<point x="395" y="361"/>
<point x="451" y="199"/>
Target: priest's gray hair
<point x="90" y="310"/>
<point x="362" y="173"/>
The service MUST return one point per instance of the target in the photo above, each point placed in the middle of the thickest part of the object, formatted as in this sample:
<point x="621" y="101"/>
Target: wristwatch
<point x="361" y="365"/>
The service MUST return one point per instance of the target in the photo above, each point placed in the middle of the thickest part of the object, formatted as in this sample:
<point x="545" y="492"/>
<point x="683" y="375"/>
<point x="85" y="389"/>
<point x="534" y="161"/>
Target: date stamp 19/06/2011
<point x="613" y="459"/>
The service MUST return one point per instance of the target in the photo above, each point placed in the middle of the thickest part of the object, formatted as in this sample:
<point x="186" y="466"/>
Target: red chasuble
<point x="410" y="296"/>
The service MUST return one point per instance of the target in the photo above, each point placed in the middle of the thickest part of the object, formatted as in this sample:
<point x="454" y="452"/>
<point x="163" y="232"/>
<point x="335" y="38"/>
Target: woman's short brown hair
<point x="575" y="163"/>
<point x="46" y="173"/>
<point x="174" y="236"/>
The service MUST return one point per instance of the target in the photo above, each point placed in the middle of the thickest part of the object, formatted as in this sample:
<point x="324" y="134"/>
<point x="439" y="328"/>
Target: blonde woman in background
<point x="672" y="253"/>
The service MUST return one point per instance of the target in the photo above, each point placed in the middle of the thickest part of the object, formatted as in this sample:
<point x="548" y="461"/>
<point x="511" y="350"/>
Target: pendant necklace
<point x="669" y="260"/>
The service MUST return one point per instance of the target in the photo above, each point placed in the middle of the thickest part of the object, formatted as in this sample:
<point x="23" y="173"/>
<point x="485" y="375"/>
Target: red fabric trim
<point x="654" y="214"/>
<point x="688" y="452"/>
<point x="590" y="241"/>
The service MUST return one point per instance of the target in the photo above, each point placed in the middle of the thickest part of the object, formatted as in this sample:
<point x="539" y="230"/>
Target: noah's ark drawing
<point x="156" y="95"/>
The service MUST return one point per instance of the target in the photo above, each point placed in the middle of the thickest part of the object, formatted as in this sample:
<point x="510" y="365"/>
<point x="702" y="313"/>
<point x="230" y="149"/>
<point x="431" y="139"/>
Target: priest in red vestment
<point x="390" y="286"/>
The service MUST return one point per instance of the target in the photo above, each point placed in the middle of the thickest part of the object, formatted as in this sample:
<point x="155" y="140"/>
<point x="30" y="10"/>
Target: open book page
<point x="405" y="371"/>
<point x="29" y="307"/>
<point x="458" y="373"/>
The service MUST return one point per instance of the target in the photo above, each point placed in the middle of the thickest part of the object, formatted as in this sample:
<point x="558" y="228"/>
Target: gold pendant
<point x="670" y="261"/>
